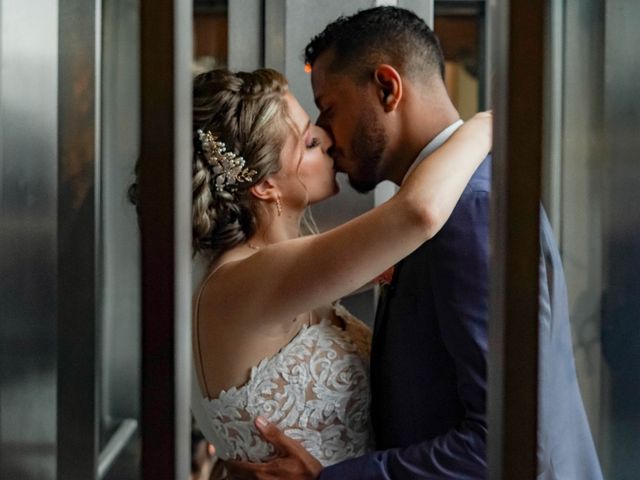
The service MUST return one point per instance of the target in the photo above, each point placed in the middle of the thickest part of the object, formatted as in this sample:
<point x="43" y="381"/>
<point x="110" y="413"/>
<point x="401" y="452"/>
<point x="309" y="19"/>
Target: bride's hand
<point x="293" y="460"/>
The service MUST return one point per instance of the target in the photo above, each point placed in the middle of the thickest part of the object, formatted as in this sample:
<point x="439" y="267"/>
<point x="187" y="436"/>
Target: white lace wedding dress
<point x="316" y="389"/>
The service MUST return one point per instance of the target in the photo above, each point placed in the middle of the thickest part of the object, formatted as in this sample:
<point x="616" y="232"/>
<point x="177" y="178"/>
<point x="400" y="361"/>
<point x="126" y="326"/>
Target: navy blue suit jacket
<point x="429" y="361"/>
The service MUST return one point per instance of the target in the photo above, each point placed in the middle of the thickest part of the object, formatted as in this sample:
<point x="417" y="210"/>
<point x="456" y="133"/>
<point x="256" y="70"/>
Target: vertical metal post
<point x="483" y="58"/>
<point x="423" y="8"/>
<point x="246" y="34"/>
<point x="491" y="22"/>
<point x="553" y="114"/>
<point x="518" y="48"/>
<point x="275" y="32"/>
<point x="165" y="206"/>
<point x="78" y="191"/>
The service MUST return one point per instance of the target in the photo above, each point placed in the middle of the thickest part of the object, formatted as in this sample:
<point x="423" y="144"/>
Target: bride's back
<point x="227" y="345"/>
<point x="307" y="375"/>
<point x="314" y="387"/>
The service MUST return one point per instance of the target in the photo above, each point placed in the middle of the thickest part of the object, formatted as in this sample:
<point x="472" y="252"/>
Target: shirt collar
<point x="433" y="145"/>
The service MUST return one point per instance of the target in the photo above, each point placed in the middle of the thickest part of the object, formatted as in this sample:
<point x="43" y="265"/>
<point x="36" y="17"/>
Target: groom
<point x="377" y="78"/>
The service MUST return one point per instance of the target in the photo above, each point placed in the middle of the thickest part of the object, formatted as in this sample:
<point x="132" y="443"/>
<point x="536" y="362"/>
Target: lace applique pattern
<point x="316" y="389"/>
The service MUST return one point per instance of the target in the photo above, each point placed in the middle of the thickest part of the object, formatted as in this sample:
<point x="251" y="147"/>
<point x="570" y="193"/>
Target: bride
<point x="269" y="339"/>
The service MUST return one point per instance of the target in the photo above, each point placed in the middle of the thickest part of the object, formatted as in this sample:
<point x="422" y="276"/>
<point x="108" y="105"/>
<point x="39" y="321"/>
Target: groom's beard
<point x="368" y="146"/>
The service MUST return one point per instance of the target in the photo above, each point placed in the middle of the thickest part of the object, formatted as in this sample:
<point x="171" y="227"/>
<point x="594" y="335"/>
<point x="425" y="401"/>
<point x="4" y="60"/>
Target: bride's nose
<point x="325" y="140"/>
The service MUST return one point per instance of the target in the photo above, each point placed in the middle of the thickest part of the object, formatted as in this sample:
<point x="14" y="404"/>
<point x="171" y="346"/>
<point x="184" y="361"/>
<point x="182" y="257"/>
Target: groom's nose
<point x="322" y="123"/>
<point x="326" y="138"/>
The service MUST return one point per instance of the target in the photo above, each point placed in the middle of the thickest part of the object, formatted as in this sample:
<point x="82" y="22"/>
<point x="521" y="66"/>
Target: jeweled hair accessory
<point x="228" y="168"/>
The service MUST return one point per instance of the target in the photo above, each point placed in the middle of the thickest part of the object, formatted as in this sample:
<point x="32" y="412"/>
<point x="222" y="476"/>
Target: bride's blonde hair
<point x="249" y="113"/>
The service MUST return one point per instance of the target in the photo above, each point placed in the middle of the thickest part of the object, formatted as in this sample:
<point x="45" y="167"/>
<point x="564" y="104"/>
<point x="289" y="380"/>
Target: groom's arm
<point x="459" y="270"/>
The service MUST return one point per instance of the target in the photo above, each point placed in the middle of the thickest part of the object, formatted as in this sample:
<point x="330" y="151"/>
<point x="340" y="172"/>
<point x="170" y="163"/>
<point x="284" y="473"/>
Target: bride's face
<point x="307" y="175"/>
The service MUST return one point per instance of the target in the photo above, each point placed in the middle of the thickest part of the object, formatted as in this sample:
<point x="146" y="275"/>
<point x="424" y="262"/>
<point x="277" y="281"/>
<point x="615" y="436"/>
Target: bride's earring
<point x="278" y="206"/>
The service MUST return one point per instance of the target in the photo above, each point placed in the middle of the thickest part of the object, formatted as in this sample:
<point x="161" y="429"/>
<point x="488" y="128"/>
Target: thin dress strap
<point x="197" y="396"/>
<point x="196" y="327"/>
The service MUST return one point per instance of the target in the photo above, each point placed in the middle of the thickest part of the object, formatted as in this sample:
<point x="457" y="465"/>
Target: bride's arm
<point x="294" y="276"/>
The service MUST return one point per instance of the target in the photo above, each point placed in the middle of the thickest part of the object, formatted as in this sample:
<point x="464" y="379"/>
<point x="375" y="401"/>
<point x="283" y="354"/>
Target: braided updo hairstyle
<point x="248" y="112"/>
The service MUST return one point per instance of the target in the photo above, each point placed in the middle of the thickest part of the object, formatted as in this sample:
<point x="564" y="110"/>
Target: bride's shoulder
<point x="217" y="269"/>
<point x="212" y="278"/>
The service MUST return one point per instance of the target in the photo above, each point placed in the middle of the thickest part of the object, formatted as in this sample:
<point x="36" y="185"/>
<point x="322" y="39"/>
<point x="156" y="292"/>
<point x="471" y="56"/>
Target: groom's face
<point x="349" y="112"/>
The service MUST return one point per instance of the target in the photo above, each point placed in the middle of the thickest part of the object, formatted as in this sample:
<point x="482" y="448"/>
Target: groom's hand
<point x="293" y="460"/>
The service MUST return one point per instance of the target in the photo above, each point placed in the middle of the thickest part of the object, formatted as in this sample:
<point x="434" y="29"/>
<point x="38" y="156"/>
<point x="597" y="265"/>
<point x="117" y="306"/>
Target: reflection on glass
<point x="119" y="345"/>
<point x="600" y="228"/>
<point x="210" y="50"/>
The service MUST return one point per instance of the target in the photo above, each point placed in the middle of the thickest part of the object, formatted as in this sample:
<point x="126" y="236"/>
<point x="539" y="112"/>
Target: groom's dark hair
<point x="377" y="35"/>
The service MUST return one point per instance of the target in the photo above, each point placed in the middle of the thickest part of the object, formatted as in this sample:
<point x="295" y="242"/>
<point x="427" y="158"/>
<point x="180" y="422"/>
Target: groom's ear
<point x="389" y="86"/>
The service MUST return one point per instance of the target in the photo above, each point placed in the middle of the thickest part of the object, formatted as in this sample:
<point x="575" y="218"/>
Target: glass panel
<point x="600" y="234"/>
<point x="210" y="50"/>
<point x="119" y="344"/>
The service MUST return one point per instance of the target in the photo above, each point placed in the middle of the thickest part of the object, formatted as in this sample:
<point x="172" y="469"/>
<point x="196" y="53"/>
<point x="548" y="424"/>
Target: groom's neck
<point x="421" y="128"/>
<point x="425" y="112"/>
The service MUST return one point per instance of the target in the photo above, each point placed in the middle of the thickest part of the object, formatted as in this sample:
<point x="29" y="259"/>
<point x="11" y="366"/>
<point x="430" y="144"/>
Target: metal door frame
<point x="165" y="223"/>
<point x="517" y="45"/>
<point x="79" y="43"/>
